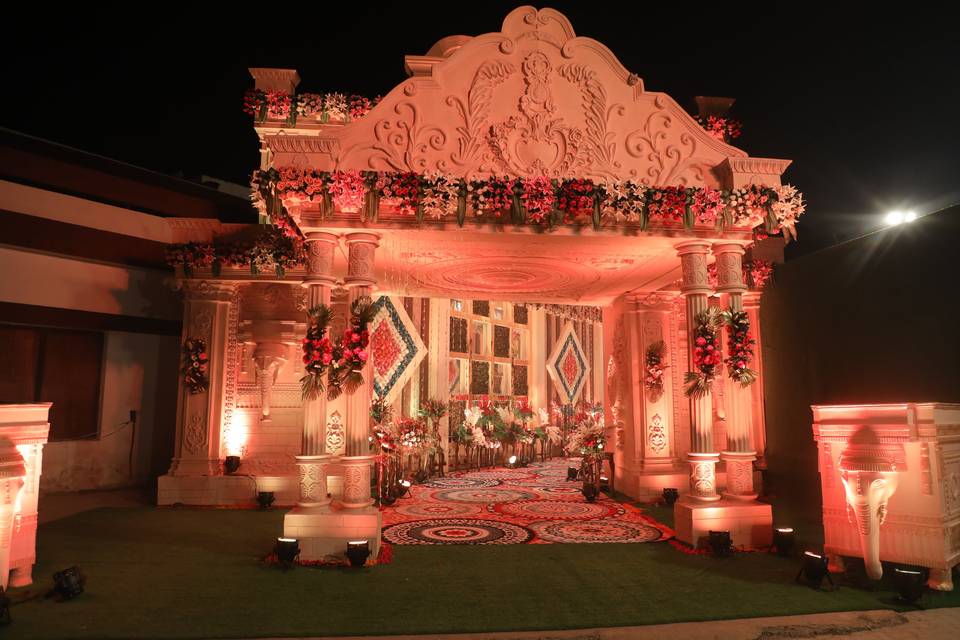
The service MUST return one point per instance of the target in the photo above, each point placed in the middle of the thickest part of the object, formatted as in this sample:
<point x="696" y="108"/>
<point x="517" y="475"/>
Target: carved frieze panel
<point x="532" y="100"/>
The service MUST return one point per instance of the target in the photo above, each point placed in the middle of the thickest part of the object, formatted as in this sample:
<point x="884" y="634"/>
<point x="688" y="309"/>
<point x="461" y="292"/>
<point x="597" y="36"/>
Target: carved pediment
<point x="531" y="99"/>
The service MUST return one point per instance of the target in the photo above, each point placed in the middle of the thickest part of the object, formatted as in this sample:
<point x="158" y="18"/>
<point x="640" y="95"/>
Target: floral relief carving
<point x="472" y="144"/>
<point x="319" y="257"/>
<point x="729" y="272"/>
<point x="361" y="260"/>
<point x="354" y="485"/>
<point x="601" y="146"/>
<point x="202" y="323"/>
<point x="403" y="143"/>
<point x="694" y="267"/>
<point x="704" y="478"/>
<point x="536" y="142"/>
<point x="672" y="159"/>
<point x="196" y="435"/>
<point x="657" y="434"/>
<point x="335" y="434"/>
<point x="311" y="486"/>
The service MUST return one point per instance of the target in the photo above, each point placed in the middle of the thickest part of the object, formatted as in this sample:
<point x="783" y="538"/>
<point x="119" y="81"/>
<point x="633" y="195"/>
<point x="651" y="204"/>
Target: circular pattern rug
<point x="456" y="531"/>
<point x="461" y="483"/>
<point x="484" y="495"/>
<point x="439" y="510"/>
<point x="557" y="509"/>
<point x="595" y="531"/>
<point x="501" y="473"/>
<point x="572" y="489"/>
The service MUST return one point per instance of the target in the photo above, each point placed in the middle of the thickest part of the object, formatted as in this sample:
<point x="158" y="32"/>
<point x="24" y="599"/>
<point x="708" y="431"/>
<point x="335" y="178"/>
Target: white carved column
<point x="758" y="443"/>
<point x="738" y="455"/>
<point x="358" y="461"/>
<point x="696" y="289"/>
<point x="206" y="316"/>
<point x="319" y="278"/>
<point x="313" y="462"/>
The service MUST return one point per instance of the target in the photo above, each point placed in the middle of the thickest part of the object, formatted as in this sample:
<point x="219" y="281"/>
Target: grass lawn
<point x="183" y="573"/>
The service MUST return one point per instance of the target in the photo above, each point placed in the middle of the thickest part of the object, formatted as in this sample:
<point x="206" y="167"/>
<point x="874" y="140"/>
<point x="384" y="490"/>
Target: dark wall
<point x="873" y="320"/>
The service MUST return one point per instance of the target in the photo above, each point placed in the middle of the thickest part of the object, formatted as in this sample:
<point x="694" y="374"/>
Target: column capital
<point x="320" y="251"/>
<point x="361" y="248"/>
<point x="729" y="267"/>
<point x="693" y="264"/>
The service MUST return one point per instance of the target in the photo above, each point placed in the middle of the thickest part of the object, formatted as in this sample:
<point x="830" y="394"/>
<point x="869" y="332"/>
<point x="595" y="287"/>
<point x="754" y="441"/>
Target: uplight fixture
<point x="783" y="540"/>
<point x="357" y="552"/>
<point x="814" y="570"/>
<point x="911" y="584"/>
<point x="287" y="550"/>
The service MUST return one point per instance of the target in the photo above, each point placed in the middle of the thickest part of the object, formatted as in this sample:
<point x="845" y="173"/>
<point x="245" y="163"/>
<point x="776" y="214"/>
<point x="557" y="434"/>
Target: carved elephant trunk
<point x="869" y="470"/>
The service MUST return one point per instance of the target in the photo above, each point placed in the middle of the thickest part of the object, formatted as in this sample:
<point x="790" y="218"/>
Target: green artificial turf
<point x="184" y="573"/>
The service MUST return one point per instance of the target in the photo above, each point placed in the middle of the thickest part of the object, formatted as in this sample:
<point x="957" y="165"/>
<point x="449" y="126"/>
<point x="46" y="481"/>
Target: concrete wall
<point x="873" y="320"/>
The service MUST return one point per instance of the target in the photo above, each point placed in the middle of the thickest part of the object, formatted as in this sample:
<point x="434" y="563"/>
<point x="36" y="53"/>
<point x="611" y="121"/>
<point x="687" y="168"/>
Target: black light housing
<point x="403" y="490"/>
<point x="814" y="570"/>
<point x="590" y="491"/>
<point x="287" y="550"/>
<point x="69" y="583"/>
<point x="670" y="496"/>
<point x="357" y="552"/>
<point x="231" y="464"/>
<point x="572" y="473"/>
<point x="720" y="543"/>
<point x="265" y="499"/>
<point x="783" y="541"/>
<point x="911" y="583"/>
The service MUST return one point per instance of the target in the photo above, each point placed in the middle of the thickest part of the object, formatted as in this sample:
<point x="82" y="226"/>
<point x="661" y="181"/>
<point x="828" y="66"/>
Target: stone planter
<point x="313" y="480"/>
<point x="356" y="481"/>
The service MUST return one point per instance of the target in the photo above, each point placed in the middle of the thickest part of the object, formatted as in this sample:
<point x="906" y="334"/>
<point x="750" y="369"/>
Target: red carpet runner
<point x="534" y="504"/>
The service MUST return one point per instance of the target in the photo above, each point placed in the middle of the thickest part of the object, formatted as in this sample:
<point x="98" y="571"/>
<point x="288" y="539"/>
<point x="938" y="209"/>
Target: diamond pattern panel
<point x="395" y="346"/>
<point x="567" y="366"/>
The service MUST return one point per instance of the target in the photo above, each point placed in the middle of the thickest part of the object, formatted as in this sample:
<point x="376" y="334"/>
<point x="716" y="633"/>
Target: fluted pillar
<point x="319" y="278"/>
<point x="358" y="461"/>
<point x="739" y="454"/>
<point x="696" y="289"/>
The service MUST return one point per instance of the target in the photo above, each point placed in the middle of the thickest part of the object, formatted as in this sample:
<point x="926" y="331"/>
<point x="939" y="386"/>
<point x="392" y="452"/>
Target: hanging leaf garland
<point x="740" y="347"/>
<point x="654" y="368"/>
<point x="317" y="351"/>
<point x="706" y="353"/>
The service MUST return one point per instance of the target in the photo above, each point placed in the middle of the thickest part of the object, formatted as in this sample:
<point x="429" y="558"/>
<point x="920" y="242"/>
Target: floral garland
<point x="350" y="355"/>
<point x="706" y="353"/>
<point x="496" y="197"/>
<point x="740" y="347"/>
<point x="412" y="434"/>
<point x="401" y="190"/>
<point x="538" y="198"/>
<point x="322" y="107"/>
<point x="724" y="129"/>
<point x="270" y="249"/>
<point x="654" y="368"/>
<point x="317" y="351"/>
<point x="756" y="273"/>
<point x="195" y="365"/>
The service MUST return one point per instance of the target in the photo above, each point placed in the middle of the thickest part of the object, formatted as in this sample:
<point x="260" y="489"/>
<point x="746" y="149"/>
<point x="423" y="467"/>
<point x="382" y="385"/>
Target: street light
<point x="899" y="217"/>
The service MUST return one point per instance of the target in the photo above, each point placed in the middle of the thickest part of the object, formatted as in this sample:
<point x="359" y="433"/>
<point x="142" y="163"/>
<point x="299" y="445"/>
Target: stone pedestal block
<point x="750" y="523"/>
<point x="325" y="531"/>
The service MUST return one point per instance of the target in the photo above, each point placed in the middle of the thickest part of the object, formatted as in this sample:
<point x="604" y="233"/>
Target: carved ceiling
<point x="522" y="267"/>
<point x="532" y="99"/>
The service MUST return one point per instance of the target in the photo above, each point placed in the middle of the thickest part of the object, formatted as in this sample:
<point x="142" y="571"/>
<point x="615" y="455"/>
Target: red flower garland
<point x="403" y="188"/>
<point x="706" y="353"/>
<point x="740" y="347"/>
<point x="350" y="355"/>
<point x="317" y="351"/>
<point x="492" y="196"/>
<point x="195" y="365"/>
<point x="668" y="204"/>
<point x="575" y="198"/>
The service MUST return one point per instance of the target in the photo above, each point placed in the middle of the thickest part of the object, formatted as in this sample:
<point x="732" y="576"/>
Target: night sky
<point x="866" y="101"/>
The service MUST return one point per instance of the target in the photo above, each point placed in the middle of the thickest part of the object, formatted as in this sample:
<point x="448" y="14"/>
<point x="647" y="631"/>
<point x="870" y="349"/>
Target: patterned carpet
<point x="534" y="504"/>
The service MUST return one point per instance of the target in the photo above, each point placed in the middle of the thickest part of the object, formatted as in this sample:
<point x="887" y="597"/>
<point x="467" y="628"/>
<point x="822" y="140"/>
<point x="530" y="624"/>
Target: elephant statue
<point x="869" y="470"/>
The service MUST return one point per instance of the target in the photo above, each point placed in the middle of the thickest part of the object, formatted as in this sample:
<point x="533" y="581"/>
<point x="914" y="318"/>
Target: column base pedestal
<point x="750" y="523"/>
<point x="323" y="532"/>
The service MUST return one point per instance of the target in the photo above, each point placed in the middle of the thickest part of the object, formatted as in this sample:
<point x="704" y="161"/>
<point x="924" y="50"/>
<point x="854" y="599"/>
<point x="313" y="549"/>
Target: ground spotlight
<point x="720" y="543"/>
<point x="358" y="551"/>
<point x="512" y="462"/>
<point x="69" y="583"/>
<point x="814" y="570"/>
<point x="572" y="473"/>
<point x="404" y="488"/>
<point x="231" y="464"/>
<point x="590" y="491"/>
<point x="670" y="496"/>
<point x="265" y="499"/>
<point x="911" y="584"/>
<point x="783" y="540"/>
<point x="287" y="550"/>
